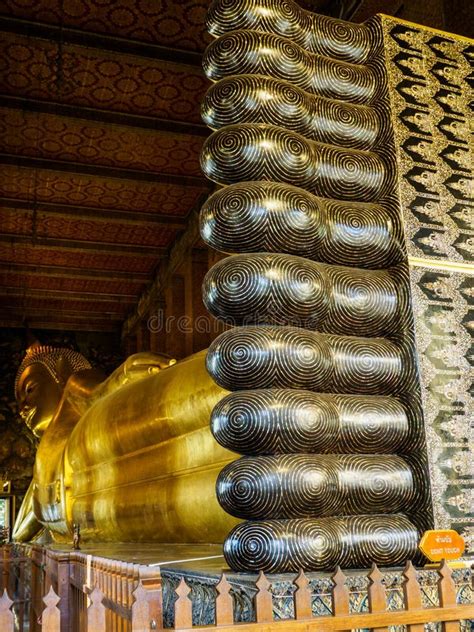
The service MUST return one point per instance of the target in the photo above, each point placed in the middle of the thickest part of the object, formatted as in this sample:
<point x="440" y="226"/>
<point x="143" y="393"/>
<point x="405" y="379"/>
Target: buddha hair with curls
<point x="48" y="357"/>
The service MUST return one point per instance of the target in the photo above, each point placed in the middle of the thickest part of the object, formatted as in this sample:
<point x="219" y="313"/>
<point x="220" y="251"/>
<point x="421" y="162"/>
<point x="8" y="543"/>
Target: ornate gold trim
<point x="438" y="264"/>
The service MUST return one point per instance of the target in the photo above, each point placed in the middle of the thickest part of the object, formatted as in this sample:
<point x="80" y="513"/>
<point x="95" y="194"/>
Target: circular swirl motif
<point x="302" y="138"/>
<point x="365" y="361"/>
<point x="277" y="217"/>
<point x="243" y="52"/>
<point x="302" y="485"/>
<point x="321" y="544"/>
<point x="278" y="421"/>
<point x="261" y="99"/>
<point x="360" y="232"/>
<point x="288" y="357"/>
<point x="317" y="33"/>
<point x="284" y="289"/>
<point x="266" y="152"/>
<point x="362" y="302"/>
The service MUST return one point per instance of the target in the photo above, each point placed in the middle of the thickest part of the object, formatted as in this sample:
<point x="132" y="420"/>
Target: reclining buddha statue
<point x="316" y="386"/>
<point x="128" y="458"/>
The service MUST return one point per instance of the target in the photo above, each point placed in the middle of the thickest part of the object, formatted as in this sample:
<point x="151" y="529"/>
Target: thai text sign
<point x="439" y="545"/>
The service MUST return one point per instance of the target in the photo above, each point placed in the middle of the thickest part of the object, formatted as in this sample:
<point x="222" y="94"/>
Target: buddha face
<point x="38" y="397"/>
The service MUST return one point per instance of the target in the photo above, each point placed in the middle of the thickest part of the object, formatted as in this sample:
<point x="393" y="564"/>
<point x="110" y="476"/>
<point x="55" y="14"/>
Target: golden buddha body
<point x="128" y="458"/>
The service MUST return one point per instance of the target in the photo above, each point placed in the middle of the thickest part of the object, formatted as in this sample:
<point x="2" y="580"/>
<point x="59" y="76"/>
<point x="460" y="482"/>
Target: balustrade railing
<point x="51" y="591"/>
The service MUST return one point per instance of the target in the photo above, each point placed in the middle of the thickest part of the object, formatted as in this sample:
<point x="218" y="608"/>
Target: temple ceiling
<point x="100" y="134"/>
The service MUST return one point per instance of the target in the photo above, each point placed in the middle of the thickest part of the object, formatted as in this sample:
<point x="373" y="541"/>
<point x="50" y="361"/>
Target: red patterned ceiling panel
<point x="19" y="222"/>
<point x="82" y="190"/>
<point x="58" y="304"/>
<point x="60" y="138"/>
<point x="47" y="256"/>
<point x="100" y="79"/>
<point x="62" y="284"/>
<point x="174" y="23"/>
<point x="13" y="222"/>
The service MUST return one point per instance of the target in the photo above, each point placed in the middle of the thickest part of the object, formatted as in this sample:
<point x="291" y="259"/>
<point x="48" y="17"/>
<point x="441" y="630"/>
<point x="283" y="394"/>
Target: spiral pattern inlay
<point x="259" y="99"/>
<point x="284" y="289"/>
<point x="282" y="357"/>
<point x="278" y="421"/>
<point x="266" y="152"/>
<point x="302" y="485"/>
<point x="325" y="405"/>
<point x="256" y="53"/>
<point x="277" y="217"/>
<point x="318" y="33"/>
<point x="324" y="543"/>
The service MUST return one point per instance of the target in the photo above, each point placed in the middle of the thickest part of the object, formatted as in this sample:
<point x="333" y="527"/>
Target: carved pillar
<point x="188" y="320"/>
<point x="157" y="325"/>
<point x="202" y="321"/>
<point x="130" y="344"/>
<point x="175" y="317"/>
<point x="63" y="590"/>
<point x="143" y="336"/>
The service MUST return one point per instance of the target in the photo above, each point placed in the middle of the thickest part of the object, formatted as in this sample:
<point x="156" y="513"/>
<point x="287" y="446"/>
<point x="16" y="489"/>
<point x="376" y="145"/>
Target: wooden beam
<point x="84" y="246"/>
<point x="102" y="171"/>
<point x="116" y="313"/>
<point x="62" y="325"/>
<point x="104" y="116"/>
<point x="126" y="299"/>
<point x="101" y="41"/>
<point x="72" y="273"/>
<point x="153" y="219"/>
<point x="53" y="316"/>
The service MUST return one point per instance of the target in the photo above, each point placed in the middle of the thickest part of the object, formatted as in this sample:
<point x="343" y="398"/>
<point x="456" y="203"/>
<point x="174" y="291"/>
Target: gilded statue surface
<point x="127" y="458"/>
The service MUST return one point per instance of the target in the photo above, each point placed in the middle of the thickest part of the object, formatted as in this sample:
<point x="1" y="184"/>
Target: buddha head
<point x="40" y="383"/>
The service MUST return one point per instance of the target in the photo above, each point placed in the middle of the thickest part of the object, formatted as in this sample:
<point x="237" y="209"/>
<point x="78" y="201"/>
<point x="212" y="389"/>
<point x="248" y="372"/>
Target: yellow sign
<point x="439" y="545"/>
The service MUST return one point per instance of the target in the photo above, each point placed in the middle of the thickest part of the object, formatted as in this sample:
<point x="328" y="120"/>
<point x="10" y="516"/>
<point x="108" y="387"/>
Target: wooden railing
<point x="76" y="593"/>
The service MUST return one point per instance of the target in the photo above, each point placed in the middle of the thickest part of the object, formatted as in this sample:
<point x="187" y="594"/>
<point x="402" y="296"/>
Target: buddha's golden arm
<point x="87" y="386"/>
<point x="26" y="524"/>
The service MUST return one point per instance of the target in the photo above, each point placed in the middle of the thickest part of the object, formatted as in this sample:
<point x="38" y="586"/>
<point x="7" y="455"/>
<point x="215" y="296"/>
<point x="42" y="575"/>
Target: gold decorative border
<point x="437" y="264"/>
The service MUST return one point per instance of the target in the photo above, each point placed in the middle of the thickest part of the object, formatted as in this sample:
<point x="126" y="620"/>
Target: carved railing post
<point x="150" y="579"/>
<point x="340" y="594"/>
<point x="51" y="620"/>
<point x="303" y="608"/>
<point x="38" y="584"/>
<point x="447" y="594"/>
<point x="6" y="615"/>
<point x="47" y="557"/>
<point x="263" y="600"/>
<point x="140" y="610"/>
<point x="412" y="594"/>
<point x="126" y="570"/>
<point x="96" y="612"/>
<point x="224" y="603"/>
<point x="377" y="595"/>
<point x="21" y="590"/>
<point x="5" y="565"/>
<point x="183" y="607"/>
<point x="64" y="588"/>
